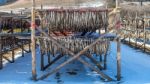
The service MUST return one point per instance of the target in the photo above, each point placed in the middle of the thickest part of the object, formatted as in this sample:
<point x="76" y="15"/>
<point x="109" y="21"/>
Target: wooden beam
<point x="6" y="58"/>
<point x="94" y="61"/>
<point x="53" y="61"/>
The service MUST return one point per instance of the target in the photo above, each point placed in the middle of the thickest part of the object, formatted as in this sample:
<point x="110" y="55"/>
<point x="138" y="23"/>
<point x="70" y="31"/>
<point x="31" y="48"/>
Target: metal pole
<point x="34" y="75"/>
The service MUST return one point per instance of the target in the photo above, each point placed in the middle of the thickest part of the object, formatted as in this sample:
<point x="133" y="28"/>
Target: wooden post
<point x="144" y="33"/>
<point x="11" y="12"/>
<point x="141" y="2"/>
<point x="41" y="6"/>
<point x="106" y="26"/>
<point x="99" y="31"/>
<point x="100" y="58"/>
<point x="145" y="37"/>
<point x="22" y="44"/>
<point x="1" y="55"/>
<point x="29" y="45"/>
<point x="117" y="3"/>
<point x="42" y="61"/>
<point x="43" y="52"/>
<point x="13" y="42"/>
<point x="105" y="56"/>
<point x="106" y="16"/>
<point x="105" y="61"/>
<point x="34" y="75"/>
<point x="136" y="38"/>
<point x="22" y="47"/>
<point x="49" y="56"/>
<point x="129" y="38"/>
<point x="13" y="51"/>
<point x="118" y="60"/>
<point x="21" y="25"/>
<point x="1" y="58"/>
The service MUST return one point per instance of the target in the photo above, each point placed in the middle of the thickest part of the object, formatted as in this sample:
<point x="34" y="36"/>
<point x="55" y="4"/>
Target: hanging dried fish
<point x="74" y="20"/>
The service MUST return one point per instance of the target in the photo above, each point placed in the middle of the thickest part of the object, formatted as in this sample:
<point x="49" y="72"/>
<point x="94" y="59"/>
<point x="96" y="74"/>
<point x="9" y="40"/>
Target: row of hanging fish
<point x="73" y="20"/>
<point x="73" y="44"/>
<point x="7" y="43"/>
<point x="11" y="23"/>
